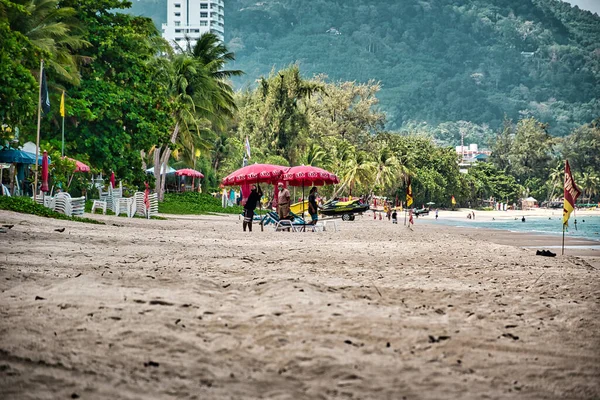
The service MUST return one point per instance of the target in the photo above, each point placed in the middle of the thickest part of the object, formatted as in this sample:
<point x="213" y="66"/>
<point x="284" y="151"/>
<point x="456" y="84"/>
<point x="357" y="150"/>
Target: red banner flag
<point x="572" y="192"/>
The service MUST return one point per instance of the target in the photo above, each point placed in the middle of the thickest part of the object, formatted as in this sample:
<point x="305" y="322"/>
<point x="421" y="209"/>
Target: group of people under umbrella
<point x="250" y="176"/>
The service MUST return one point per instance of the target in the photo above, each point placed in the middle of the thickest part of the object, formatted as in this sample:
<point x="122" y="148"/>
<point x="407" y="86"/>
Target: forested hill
<point x="437" y="60"/>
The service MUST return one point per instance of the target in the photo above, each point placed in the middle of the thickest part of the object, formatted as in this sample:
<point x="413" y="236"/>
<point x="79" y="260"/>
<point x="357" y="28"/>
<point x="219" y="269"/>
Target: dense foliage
<point x="437" y="61"/>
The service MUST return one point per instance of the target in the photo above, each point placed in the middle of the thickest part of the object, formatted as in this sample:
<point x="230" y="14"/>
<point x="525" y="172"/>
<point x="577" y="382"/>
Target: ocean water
<point x="588" y="227"/>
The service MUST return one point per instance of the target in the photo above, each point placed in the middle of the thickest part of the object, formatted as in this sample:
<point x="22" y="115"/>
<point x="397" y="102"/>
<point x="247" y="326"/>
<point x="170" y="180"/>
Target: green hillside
<point x="438" y="61"/>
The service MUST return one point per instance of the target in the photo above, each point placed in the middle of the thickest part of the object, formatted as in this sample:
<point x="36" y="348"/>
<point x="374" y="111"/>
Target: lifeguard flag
<point x="453" y="201"/>
<point x="62" y="104"/>
<point x="45" y="98"/>
<point x="572" y="192"/>
<point x="409" y="194"/>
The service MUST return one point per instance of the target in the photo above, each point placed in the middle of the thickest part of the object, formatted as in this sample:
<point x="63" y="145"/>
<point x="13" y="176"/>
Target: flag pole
<point x="563" y="241"/>
<point x="39" y="120"/>
<point x="62" y="111"/>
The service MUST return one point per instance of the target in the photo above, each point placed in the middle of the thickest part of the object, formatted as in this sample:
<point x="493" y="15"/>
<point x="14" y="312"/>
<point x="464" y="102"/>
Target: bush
<point x="194" y="203"/>
<point x="25" y="205"/>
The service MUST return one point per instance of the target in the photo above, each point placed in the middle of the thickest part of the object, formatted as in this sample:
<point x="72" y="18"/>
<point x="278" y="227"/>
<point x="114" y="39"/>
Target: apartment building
<point x="192" y="18"/>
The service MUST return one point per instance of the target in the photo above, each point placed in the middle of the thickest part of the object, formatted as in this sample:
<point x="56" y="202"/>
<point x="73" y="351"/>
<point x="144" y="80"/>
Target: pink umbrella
<point x="190" y="172"/>
<point x="255" y="173"/>
<point x="79" y="166"/>
<point x="305" y="175"/>
<point x="112" y="179"/>
<point x="44" y="187"/>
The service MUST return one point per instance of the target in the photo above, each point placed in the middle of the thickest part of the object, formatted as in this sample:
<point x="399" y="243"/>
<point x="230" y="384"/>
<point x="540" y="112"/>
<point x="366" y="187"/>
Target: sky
<point x="591" y="5"/>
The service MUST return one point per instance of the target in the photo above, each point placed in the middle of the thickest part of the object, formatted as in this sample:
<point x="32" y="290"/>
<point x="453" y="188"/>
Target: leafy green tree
<point x="531" y="151"/>
<point x="119" y="109"/>
<point x="18" y="87"/>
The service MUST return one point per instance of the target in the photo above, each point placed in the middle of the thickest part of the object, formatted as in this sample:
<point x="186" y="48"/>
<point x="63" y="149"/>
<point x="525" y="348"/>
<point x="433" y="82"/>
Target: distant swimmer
<point x="523" y="219"/>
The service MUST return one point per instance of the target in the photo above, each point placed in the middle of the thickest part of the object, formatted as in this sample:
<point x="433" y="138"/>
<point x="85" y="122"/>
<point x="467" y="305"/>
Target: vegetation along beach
<point x="326" y="199"/>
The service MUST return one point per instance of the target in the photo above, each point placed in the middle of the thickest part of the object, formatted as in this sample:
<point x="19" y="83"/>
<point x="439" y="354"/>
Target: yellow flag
<point x="453" y="201"/>
<point x="409" y="193"/>
<point x="62" y="104"/>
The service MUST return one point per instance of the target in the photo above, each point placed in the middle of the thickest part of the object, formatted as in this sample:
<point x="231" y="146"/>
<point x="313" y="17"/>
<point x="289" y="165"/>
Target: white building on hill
<point x="192" y="18"/>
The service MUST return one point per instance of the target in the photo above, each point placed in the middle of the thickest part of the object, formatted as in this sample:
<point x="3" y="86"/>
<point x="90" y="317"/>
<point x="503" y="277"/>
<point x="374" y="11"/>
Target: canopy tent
<point x="170" y="170"/>
<point x="528" y="203"/>
<point x="19" y="156"/>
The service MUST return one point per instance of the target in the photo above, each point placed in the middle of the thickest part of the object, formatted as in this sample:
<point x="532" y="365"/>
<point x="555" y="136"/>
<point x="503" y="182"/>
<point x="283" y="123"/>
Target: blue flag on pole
<point x="45" y="99"/>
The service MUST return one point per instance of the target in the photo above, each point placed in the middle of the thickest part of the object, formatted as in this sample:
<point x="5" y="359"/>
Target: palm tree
<point x="356" y="168"/>
<point x="53" y="30"/>
<point x="315" y="155"/>
<point x="201" y="97"/>
<point x="590" y="182"/>
<point x="556" y="175"/>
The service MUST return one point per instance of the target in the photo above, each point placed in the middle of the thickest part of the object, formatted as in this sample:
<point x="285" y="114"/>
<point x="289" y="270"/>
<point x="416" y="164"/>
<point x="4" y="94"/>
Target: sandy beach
<point x="193" y="308"/>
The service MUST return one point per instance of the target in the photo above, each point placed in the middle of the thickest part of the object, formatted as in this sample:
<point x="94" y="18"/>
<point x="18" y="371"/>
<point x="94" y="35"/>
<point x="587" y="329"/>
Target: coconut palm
<point x="202" y="99"/>
<point x="556" y="175"/>
<point x="590" y="183"/>
<point x="53" y="30"/>
<point x="356" y="168"/>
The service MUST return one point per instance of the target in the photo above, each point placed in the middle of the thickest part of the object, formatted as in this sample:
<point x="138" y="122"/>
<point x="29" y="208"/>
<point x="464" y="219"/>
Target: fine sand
<point x="193" y="308"/>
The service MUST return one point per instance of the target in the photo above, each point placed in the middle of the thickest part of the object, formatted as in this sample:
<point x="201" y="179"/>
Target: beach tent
<point x="19" y="157"/>
<point x="528" y="203"/>
<point x="170" y="170"/>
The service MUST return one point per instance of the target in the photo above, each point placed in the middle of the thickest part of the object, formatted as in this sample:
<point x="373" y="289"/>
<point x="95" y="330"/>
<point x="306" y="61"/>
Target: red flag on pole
<point x="572" y="192"/>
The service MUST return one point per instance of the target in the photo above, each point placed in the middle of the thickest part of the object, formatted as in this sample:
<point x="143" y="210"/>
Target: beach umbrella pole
<point x="262" y="225"/>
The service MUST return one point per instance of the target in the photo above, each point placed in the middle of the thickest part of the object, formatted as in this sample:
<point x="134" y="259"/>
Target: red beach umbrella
<point x="44" y="187"/>
<point x="255" y="173"/>
<point x="112" y="179"/>
<point x="79" y="166"/>
<point x="189" y="172"/>
<point x="305" y="175"/>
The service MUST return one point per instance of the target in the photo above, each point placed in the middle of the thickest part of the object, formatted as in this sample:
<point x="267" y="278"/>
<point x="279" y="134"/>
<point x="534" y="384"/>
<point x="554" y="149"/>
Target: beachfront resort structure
<point x="470" y="156"/>
<point x="192" y="18"/>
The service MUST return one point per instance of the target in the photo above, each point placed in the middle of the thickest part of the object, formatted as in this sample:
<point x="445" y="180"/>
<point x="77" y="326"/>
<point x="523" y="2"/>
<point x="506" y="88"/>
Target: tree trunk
<point x="161" y="159"/>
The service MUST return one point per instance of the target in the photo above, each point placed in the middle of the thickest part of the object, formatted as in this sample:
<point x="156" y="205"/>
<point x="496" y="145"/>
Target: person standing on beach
<point x="394" y="217"/>
<point x="250" y="206"/>
<point x="436" y="214"/>
<point x="283" y="202"/>
<point x="313" y="208"/>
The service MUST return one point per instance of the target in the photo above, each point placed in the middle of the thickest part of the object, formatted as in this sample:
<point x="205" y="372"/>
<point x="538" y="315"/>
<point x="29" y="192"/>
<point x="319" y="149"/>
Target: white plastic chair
<point x="153" y="198"/>
<point x="76" y="206"/>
